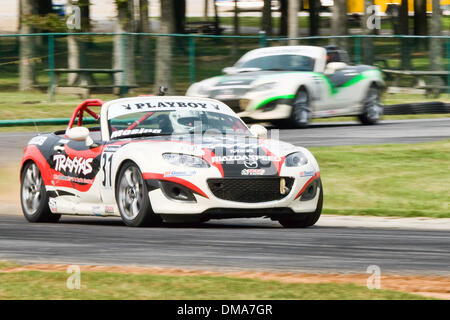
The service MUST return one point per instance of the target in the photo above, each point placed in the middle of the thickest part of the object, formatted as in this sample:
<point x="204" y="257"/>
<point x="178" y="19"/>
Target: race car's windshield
<point x="283" y="62"/>
<point x="154" y="123"/>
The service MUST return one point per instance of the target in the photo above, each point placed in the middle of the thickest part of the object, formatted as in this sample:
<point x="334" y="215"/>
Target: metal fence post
<point x="191" y="60"/>
<point x="448" y="66"/>
<point x="262" y="39"/>
<point x="51" y="66"/>
<point x="357" y="50"/>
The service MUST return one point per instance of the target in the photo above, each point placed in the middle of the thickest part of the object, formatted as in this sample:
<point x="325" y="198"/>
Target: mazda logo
<point x="251" y="164"/>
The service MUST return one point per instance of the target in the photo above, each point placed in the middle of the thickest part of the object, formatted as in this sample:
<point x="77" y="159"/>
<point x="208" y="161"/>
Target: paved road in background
<point x="319" y="134"/>
<point x="228" y="245"/>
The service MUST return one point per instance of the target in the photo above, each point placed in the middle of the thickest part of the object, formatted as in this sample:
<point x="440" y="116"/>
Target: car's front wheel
<point x="372" y="108"/>
<point x="301" y="109"/>
<point x="132" y="198"/>
<point x="304" y="220"/>
<point x="34" y="197"/>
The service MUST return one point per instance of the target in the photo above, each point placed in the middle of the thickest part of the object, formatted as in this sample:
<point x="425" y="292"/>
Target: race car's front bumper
<point x="279" y="111"/>
<point x="265" y="108"/>
<point x="209" y="204"/>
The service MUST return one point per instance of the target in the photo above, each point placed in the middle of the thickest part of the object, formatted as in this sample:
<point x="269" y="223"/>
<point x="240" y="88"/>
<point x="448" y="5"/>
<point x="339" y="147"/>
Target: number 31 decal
<point x="106" y="169"/>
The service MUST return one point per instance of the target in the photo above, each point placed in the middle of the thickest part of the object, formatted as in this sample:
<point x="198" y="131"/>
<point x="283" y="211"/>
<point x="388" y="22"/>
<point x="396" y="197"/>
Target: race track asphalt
<point x="246" y="243"/>
<point x="236" y="244"/>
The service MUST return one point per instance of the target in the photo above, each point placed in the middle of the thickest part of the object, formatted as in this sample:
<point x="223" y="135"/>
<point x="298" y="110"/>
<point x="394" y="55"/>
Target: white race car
<point x="293" y="84"/>
<point x="167" y="158"/>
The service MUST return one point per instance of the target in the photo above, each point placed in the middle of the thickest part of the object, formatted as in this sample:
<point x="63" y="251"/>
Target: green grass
<point x="95" y="285"/>
<point x="399" y="98"/>
<point x="407" y="180"/>
<point x="8" y="264"/>
<point x="388" y="117"/>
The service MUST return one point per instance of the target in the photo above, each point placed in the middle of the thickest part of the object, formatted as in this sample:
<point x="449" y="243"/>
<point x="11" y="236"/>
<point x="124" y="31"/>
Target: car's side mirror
<point x="258" y="131"/>
<point x="80" y="134"/>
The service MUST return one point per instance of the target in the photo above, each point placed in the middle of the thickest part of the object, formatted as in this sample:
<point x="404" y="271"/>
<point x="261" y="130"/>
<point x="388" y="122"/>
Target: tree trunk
<point x="283" y="18"/>
<point x="266" y="20"/>
<point x="73" y="57"/>
<point x="314" y="18"/>
<point x="404" y="30"/>
<point x="420" y="18"/>
<point x="27" y="50"/>
<point x="179" y="8"/>
<point x="124" y="45"/>
<point x="144" y="26"/>
<point x="236" y="30"/>
<point x="367" y="43"/>
<point x="216" y="19"/>
<point x="420" y="24"/>
<point x="76" y="46"/>
<point x="44" y="7"/>
<point x="164" y="48"/>
<point x="293" y="6"/>
<point x="339" y="23"/>
<point x="85" y="15"/>
<point x="436" y="45"/>
<point x="205" y="9"/>
<point x="236" y="26"/>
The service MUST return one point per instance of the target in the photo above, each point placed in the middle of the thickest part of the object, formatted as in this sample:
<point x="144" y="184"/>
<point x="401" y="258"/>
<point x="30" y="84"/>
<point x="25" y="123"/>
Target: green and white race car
<point x="293" y="84"/>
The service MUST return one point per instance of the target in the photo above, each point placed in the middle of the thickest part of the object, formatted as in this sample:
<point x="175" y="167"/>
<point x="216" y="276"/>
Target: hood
<point x="234" y="156"/>
<point x="247" y="78"/>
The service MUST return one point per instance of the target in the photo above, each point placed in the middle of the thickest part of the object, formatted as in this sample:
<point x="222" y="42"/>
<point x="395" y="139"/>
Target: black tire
<point x="372" y="108"/>
<point x="301" y="109"/>
<point x="32" y="188"/>
<point x="142" y="214"/>
<point x="304" y="220"/>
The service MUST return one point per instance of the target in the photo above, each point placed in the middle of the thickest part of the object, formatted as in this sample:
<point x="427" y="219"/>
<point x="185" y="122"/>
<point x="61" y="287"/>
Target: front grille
<point x="256" y="189"/>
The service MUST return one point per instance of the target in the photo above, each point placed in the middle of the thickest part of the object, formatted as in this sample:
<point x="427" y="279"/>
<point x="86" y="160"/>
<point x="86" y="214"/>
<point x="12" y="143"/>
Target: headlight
<point x="296" y="159"/>
<point x="265" y="86"/>
<point x="179" y="159"/>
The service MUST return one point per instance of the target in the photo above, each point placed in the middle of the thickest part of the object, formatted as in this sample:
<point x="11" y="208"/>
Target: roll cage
<point x="81" y="109"/>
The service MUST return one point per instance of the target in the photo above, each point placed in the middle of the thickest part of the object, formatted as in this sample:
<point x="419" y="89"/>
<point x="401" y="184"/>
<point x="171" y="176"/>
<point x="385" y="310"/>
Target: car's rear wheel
<point x="304" y="220"/>
<point x="34" y="197"/>
<point x="132" y="198"/>
<point x="372" y="108"/>
<point x="301" y="109"/>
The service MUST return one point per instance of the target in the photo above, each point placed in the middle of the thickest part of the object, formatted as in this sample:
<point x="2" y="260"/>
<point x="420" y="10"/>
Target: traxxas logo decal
<point x="75" y="165"/>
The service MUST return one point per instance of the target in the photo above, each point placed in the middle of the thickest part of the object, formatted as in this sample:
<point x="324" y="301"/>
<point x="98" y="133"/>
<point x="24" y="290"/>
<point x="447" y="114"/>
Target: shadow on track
<point x="214" y="224"/>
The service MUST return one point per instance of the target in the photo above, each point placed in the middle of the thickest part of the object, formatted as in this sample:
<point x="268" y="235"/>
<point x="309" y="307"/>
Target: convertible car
<point x="167" y="158"/>
<point x="290" y="85"/>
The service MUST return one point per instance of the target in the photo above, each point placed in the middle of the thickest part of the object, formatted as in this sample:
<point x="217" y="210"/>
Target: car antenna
<point x="36" y="127"/>
<point x="162" y="91"/>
